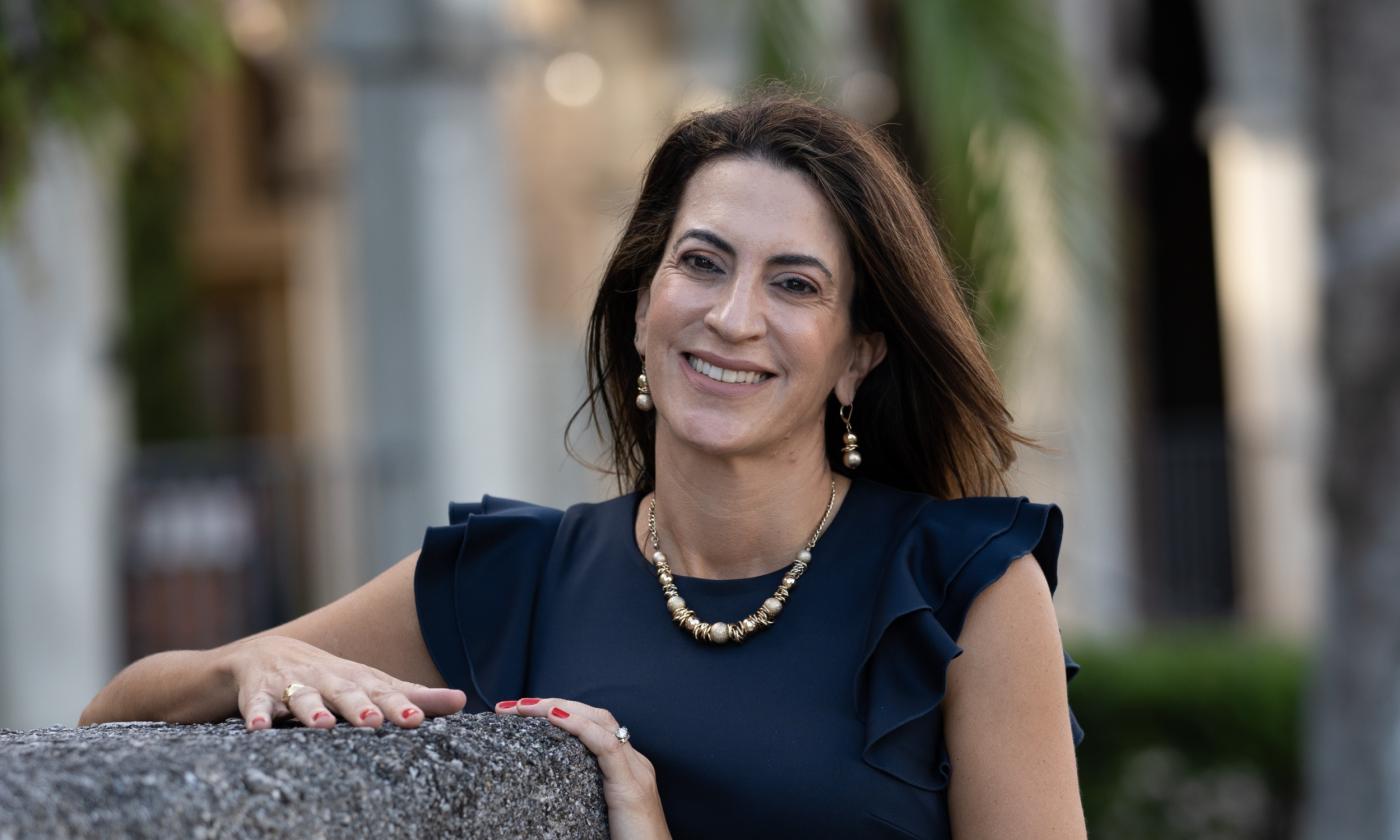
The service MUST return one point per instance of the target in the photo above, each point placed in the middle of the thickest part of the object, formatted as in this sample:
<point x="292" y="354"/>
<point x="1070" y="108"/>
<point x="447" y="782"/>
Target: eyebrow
<point x="777" y="259"/>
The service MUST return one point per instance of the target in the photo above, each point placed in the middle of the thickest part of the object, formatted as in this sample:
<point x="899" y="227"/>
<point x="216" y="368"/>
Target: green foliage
<point x="982" y="75"/>
<point x="158" y="335"/>
<point x="84" y="66"/>
<point x="783" y="36"/>
<point x="79" y="64"/>
<point x="1190" y="735"/>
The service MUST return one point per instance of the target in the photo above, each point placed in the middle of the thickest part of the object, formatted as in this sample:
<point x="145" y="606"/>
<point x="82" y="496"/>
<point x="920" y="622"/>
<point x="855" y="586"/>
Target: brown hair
<point x="930" y="417"/>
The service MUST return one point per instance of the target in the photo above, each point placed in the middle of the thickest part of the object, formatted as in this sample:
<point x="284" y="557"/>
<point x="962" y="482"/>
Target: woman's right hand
<point x="263" y="666"/>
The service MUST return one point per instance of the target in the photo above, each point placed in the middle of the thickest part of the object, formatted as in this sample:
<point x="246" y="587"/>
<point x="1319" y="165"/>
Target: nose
<point x="739" y="315"/>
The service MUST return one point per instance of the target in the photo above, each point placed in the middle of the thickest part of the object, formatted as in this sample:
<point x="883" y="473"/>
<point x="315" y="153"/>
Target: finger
<point x="397" y="708"/>
<point x="355" y="706"/>
<point x="308" y="707"/>
<point x="257" y="711"/>
<point x="539" y="707"/>
<point x="523" y="706"/>
<point x="612" y="754"/>
<point x="434" y="701"/>
<point x="629" y="775"/>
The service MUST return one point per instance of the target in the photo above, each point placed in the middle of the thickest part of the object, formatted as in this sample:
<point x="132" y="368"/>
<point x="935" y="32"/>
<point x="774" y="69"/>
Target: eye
<point x="700" y="262"/>
<point x="799" y="285"/>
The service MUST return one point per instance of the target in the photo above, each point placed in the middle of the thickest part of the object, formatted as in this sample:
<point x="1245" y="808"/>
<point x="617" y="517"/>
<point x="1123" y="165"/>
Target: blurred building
<point x="1186" y="402"/>
<point x="397" y="216"/>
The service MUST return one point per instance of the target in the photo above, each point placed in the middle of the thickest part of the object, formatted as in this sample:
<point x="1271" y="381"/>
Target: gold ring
<point x="292" y="688"/>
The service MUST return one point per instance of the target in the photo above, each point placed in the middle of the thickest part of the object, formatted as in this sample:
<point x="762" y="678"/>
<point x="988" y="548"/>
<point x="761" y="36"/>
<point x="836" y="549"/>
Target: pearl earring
<point x="849" y="455"/>
<point x="643" y="395"/>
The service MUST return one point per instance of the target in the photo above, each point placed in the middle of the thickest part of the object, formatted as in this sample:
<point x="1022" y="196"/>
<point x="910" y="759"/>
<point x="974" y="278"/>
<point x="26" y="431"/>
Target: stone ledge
<point x="479" y="775"/>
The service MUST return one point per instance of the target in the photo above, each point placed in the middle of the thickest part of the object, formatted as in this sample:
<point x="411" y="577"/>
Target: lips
<point x="727" y="372"/>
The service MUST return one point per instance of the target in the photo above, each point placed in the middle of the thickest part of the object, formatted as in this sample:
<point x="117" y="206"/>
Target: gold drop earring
<point x="850" y="456"/>
<point x="644" y="395"/>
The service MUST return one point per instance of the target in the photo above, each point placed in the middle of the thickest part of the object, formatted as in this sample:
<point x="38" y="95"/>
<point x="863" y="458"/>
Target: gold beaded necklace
<point x="721" y="632"/>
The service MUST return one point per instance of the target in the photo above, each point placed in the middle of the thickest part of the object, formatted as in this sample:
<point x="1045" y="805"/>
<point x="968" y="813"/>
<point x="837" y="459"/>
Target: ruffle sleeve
<point x="952" y="551"/>
<point x="475" y="588"/>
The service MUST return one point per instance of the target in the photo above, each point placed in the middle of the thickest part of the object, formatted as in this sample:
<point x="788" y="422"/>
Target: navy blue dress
<point x="824" y="725"/>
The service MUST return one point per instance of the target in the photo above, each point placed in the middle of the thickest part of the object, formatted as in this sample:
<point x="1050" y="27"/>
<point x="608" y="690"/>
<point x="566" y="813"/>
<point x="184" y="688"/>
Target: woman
<point x="777" y="633"/>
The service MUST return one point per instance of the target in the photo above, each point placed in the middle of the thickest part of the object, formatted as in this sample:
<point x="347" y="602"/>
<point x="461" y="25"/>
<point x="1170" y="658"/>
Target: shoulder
<point x="956" y="548"/>
<point x="965" y="524"/>
<point x="475" y="587"/>
<point x="1005" y="710"/>
<point x="1012" y="625"/>
<point x="458" y="513"/>
<point x="942" y="558"/>
<point x="511" y="532"/>
<point x="499" y="512"/>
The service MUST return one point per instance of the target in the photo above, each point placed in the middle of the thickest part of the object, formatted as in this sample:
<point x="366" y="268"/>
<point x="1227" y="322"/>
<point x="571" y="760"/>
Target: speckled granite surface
<point x="478" y="775"/>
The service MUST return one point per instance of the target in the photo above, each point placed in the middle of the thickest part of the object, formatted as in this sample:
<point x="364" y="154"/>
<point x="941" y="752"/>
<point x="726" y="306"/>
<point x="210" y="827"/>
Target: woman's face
<point x="746" y="325"/>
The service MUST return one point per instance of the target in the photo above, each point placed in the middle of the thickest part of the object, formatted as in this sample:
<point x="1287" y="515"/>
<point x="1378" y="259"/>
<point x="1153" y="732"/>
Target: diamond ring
<point x="622" y="734"/>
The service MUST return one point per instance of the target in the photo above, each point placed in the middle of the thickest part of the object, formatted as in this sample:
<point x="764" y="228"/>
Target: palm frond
<point x="982" y="76"/>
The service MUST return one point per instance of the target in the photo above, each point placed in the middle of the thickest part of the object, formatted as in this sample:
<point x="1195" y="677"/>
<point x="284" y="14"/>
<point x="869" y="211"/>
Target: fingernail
<point x="408" y="713"/>
<point x="316" y="718"/>
<point x="559" y="713"/>
<point x="366" y="713"/>
<point x="529" y="701"/>
<point x="259" y="720"/>
<point x="506" y="704"/>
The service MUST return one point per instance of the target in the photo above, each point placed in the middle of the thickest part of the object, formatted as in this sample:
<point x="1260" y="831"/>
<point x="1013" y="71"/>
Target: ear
<point x="869" y="351"/>
<point x="640" y="339"/>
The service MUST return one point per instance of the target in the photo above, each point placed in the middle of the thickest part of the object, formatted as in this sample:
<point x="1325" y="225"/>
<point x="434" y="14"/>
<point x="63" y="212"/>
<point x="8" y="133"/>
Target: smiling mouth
<point x="719" y="374"/>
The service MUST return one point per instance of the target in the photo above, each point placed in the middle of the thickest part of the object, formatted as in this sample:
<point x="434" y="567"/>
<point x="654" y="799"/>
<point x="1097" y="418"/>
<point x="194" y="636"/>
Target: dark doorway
<point x="1187" y="567"/>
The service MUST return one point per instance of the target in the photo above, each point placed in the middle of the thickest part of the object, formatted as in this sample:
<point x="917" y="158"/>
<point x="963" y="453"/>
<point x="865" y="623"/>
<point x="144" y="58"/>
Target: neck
<point x="725" y="518"/>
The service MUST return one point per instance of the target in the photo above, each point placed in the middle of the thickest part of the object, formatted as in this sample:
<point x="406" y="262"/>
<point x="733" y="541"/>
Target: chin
<point x="713" y="438"/>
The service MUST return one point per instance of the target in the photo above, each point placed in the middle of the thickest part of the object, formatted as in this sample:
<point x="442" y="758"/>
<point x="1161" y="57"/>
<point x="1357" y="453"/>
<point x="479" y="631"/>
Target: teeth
<point x="719" y="374"/>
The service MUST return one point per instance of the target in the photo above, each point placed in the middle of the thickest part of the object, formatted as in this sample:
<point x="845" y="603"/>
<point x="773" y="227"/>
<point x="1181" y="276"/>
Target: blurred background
<point x="280" y="278"/>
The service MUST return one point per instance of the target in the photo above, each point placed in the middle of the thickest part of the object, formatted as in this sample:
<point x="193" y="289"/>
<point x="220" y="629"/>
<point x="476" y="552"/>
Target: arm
<point x="1006" y="717"/>
<point x="376" y="625"/>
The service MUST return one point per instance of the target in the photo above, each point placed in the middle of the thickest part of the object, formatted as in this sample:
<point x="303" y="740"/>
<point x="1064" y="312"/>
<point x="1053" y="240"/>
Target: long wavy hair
<point x="930" y="417"/>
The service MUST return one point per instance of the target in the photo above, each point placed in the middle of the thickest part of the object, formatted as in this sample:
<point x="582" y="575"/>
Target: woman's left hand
<point x="629" y="780"/>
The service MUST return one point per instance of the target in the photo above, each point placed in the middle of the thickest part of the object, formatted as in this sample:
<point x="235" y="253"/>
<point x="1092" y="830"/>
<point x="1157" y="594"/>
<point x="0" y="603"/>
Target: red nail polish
<point x="408" y="713"/>
<point x="506" y="704"/>
<point x="317" y="717"/>
<point x="529" y="701"/>
<point x="366" y="713"/>
<point x="559" y="713"/>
